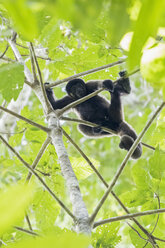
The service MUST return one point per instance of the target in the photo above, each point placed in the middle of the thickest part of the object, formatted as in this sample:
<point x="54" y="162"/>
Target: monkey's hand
<point x="108" y="85"/>
<point x="46" y="88"/>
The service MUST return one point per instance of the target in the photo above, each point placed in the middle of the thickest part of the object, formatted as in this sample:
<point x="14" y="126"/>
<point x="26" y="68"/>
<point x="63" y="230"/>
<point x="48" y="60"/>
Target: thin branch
<point x="33" y="66"/>
<point x="85" y="98"/>
<point x="38" y="177"/>
<point x="136" y="232"/>
<point x="162" y="240"/>
<point x="14" y="132"/>
<point x="20" y="59"/>
<point x="128" y="216"/>
<point x="91" y="124"/>
<point x="133" y="147"/>
<point x="45" y="129"/>
<point x="39" y="155"/>
<point x="7" y="47"/>
<point x="151" y="240"/>
<point x="35" y="162"/>
<point x="158" y="214"/>
<point x="26" y="231"/>
<point x="148" y="146"/>
<point x="49" y="108"/>
<point x="86" y="73"/>
<point x="28" y="221"/>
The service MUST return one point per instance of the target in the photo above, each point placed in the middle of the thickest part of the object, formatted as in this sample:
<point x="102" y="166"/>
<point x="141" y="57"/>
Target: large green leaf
<point x="82" y="168"/>
<point x="13" y="204"/>
<point x="11" y="80"/>
<point x="153" y="64"/>
<point x="70" y="240"/>
<point x="23" y="17"/>
<point x="157" y="164"/>
<point x="146" y="26"/>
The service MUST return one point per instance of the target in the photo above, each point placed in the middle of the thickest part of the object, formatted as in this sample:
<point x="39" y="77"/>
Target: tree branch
<point x="18" y="56"/>
<point x="133" y="147"/>
<point x="26" y="231"/>
<point x="58" y="82"/>
<point x="45" y="129"/>
<point x="48" y="105"/>
<point x="128" y="216"/>
<point x="39" y="155"/>
<point x="79" y="208"/>
<point x="38" y="177"/>
<point x="151" y="239"/>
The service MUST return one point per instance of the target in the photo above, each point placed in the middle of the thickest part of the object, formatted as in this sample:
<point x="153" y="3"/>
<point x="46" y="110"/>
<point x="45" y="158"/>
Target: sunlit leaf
<point x="23" y="17"/>
<point x="70" y="240"/>
<point x="13" y="204"/>
<point x="153" y="64"/>
<point x="146" y="25"/>
<point x="82" y="168"/>
<point x="11" y="80"/>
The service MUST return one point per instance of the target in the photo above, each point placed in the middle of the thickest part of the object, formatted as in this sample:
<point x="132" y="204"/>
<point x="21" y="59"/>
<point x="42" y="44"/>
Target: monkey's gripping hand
<point x="108" y="85"/>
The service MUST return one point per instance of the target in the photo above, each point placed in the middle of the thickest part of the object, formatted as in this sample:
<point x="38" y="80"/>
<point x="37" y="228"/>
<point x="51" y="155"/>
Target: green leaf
<point x="82" y="168"/>
<point x="153" y="64"/>
<point x="140" y="175"/>
<point x="11" y="80"/>
<point x="146" y="26"/>
<point x="106" y="236"/>
<point x="13" y="204"/>
<point x="23" y="18"/>
<point x="119" y="20"/>
<point x="157" y="164"/>
<point x="71" y="240"/>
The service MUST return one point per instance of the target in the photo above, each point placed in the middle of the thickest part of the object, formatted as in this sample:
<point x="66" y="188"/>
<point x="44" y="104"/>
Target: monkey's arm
<point x="58" y="104"/>
<point x="98" y="84"/>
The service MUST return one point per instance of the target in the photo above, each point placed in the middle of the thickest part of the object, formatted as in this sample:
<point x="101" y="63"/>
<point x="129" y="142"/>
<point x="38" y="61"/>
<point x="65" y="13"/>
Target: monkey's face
<point x="78" y="90"/>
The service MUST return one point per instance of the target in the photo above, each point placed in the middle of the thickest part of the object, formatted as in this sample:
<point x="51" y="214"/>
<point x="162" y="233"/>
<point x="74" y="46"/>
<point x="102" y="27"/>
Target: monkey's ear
<point x="74" y="82"/>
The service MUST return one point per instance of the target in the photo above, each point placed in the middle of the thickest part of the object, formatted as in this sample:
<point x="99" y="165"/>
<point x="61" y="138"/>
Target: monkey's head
<point x="76" y="88"/>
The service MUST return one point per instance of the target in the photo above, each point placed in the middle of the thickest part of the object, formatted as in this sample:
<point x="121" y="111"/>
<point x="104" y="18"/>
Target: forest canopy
<point x="59" y="188"/>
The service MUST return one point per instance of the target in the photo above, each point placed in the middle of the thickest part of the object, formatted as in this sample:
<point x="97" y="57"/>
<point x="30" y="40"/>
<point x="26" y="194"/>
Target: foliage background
<point x="73" y="36"/>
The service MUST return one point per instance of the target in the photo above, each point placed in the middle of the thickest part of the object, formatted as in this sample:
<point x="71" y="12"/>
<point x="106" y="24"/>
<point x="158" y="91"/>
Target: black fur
<point x="98" y="110"/>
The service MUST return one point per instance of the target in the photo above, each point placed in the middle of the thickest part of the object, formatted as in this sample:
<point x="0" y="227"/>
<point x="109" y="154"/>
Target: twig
<point x="39" y="178"/>
<point x="33" y="66"/>
<point x="85" y="98"/>
<point x="20" y="59"/>
<point x="158" y="214"/>
<point x="148" y="146"/>
<point x="37" y="159"/>
<point x="86" y="73"/>
<point x="14" y="132"/>
<point x="26" y="231"/>
<point x="133" y="147"/>
<point x="4" y="51"/>
<point x="128" y="216"/>
<point x="110" y="131"/>
<point x="162" y="240"/>
<point x="49" y="108"/>
<point x="28" y="221"/>
<point x="45" y="129"/>
<point x="151" y="240"/>
<point x="39" y="155"/>
<point x="136" y="232"/>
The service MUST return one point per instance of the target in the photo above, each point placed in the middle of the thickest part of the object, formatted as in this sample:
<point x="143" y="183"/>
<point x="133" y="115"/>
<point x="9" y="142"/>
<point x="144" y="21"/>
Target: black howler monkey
<point x="98" y="110"/>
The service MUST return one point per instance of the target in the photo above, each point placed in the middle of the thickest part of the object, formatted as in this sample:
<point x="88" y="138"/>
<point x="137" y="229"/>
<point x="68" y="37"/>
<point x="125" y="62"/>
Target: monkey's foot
<point x="126" y="142"/>
<point x="108" y="85"/>
<point x="123" y="86"/>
